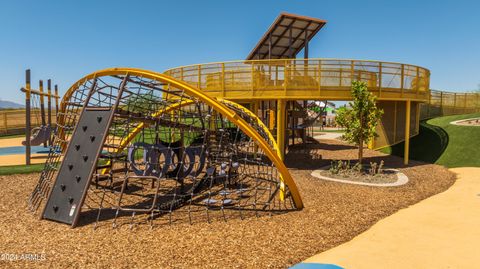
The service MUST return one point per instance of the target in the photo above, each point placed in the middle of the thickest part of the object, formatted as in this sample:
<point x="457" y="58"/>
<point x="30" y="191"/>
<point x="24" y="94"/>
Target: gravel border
<point x="459" y="122"/>
<point x="402" y="179"/>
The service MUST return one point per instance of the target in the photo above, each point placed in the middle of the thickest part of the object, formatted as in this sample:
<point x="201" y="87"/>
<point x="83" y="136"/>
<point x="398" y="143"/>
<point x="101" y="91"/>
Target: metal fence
<point x="13" y="121"/>
<point x="443" y="103"/>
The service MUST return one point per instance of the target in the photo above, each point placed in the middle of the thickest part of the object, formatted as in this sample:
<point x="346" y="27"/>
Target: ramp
<point x="70" y="187"/>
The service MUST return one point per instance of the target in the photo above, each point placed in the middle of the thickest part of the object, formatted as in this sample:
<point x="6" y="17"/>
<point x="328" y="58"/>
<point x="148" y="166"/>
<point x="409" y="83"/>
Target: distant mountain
<point x="9" y="104"/>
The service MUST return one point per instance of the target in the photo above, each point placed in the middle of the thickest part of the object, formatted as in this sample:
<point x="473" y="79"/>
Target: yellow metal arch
<point x="215" y="104"/>
<point x="270" y="137"/>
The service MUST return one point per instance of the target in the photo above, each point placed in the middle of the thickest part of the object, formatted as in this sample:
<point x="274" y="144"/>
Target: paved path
<point x="328" y="135"/>
<point x="442" y="231"/>
<point x="19" y="159"/>
<point x="11" y="142"/>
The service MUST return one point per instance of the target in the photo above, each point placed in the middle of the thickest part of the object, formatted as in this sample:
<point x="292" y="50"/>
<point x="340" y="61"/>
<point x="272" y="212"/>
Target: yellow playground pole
<point x="281" y="138"/>
<point x="407" y="133"/>
<point x="271" y="119"/>
<point x="281" y="128"/>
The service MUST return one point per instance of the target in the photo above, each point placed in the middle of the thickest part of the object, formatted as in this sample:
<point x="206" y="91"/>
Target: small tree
<point x="360" y="121"/>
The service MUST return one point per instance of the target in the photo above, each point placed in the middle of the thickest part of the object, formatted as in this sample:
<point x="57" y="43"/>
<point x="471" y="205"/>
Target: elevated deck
<point x="305" y="79"/>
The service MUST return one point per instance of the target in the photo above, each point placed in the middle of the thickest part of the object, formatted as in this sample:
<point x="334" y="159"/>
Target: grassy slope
<point x="443" y="143"/>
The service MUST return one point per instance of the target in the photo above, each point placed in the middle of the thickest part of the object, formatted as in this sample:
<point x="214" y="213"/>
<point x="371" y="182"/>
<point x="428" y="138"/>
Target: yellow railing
<point x="305" y="79"/>
<point x="13" y="121"/>
<point x="443" y="103"/>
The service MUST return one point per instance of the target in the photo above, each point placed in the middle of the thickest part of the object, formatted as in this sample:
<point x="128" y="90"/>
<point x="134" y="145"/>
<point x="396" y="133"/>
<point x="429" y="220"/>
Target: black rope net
<point x="168" y="157"/>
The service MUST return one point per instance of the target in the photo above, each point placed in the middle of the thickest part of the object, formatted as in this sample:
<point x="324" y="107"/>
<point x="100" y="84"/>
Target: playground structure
<point x="35" y="103"/>
<point x="141" y="142"/>
<point x="208" y="138"/>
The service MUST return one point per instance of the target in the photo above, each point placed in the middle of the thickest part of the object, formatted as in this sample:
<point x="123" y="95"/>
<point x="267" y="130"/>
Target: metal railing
<point x="13" y="121"/>
<point x="442" y="103"/>
<point x="305" y="79"/>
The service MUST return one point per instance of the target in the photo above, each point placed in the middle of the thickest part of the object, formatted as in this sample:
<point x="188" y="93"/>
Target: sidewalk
<point x="17" y="159"/>
<point x="442" y="231"/>
<point x="11" y="142"/>
<point x="327" y="135"/>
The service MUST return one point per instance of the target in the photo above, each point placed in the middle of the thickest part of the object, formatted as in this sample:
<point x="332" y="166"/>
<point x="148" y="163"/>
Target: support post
<point x="292" y="121"/>
<point x="49" y="102"/>
<point x="395" y="123"/>
<point x="42" y="103"/>
<point x="281" y="138"/>
<point x="271" y="119"/>
<point x="281" y="127"/>
<point x="56" y="102"/>
<point x="407" y="133"/>
<point x="27" y="118"/>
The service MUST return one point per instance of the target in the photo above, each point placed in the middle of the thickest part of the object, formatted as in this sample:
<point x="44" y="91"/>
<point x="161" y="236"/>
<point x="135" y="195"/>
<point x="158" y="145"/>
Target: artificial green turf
<point x="443" y="143"/>
<point x="21" y="169"/>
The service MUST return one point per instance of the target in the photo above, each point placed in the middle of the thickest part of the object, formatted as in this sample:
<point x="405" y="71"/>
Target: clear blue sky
<point x="65" y="40"/>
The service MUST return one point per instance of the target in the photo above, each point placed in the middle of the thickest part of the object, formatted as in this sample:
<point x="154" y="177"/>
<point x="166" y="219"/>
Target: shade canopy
<point x="286" y="37"/>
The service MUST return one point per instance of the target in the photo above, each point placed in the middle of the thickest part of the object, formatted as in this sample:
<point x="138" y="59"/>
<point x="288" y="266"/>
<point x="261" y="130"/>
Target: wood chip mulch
<point x="334" y="213"/>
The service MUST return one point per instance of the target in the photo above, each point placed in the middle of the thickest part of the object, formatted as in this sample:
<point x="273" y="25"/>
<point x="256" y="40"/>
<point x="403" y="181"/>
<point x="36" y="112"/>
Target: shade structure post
<point x="407" y="133"/>
<point x="281" y="111"/>
<point x="28" y="124"/>
<point x="281" y="127"/>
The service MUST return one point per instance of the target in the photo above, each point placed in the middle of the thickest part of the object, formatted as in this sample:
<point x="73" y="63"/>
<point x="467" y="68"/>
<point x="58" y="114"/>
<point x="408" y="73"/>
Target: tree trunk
<point x="360" y="151"/>
<point x="360" y="144"/>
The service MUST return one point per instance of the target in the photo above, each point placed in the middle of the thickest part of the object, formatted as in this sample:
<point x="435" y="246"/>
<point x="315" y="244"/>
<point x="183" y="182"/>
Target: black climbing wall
<point x="76" y="170"/>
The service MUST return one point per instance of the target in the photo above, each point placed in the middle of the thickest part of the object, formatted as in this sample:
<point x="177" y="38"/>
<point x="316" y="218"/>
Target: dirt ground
<point x="334" y="213"/>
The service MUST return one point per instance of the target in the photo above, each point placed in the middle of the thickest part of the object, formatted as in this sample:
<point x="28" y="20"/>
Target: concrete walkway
<point x="442" y="231"/>
<point x="11" y="142"/>
<point x="328" y="135"/>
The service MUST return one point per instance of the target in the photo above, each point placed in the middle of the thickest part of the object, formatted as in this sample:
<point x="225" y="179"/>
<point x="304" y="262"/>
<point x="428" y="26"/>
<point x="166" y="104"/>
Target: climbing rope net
<point x="168" y="156"/>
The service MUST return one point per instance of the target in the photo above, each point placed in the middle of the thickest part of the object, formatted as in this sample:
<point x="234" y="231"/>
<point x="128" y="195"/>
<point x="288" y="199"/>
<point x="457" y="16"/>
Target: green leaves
<point x="360" y="121"/>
